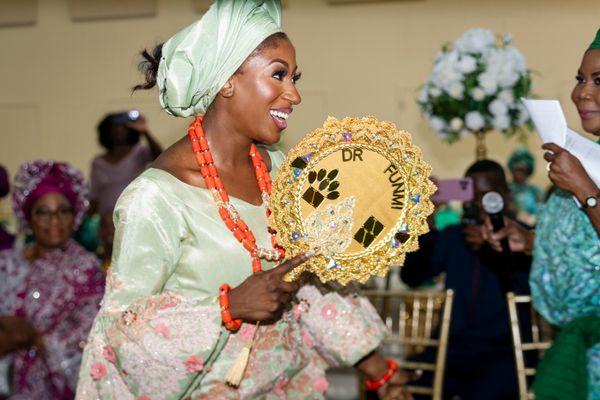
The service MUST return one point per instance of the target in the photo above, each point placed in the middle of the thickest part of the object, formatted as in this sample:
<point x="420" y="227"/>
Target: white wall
<point x="58" y="77"/>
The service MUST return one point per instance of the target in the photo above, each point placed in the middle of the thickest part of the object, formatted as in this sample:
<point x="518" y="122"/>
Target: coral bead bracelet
<point x="385" y="378"/>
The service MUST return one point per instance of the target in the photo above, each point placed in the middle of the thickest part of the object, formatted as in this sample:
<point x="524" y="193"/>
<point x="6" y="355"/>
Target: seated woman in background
<point x="526" y="197"/>
<point x="51" y="289"/>
<point x="125" y="157"/>
<point x="565" y="277"/>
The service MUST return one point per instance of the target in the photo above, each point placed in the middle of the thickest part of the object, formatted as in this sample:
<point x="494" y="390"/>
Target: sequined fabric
<point x="329" y="231"/>
<point x="159" y="333"/>
<point x="565" y="277"/>
<point x="59" y="293"/>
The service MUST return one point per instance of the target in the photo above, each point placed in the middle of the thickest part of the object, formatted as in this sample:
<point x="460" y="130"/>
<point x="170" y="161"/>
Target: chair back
<point x="541" y="339"/>
<point x="416" y="320"/>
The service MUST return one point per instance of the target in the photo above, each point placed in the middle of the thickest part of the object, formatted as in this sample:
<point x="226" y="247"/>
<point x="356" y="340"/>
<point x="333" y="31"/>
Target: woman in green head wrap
<point x="565" y="276"/>
<point x="168" y="327"/>
<point x="525" y="196"/>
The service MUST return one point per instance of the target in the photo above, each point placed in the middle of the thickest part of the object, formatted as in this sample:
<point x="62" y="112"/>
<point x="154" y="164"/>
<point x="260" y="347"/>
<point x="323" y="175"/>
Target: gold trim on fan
<point x="355" y="190"/>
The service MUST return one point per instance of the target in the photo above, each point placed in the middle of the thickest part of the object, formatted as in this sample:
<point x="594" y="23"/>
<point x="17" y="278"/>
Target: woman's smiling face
<point x="586" y="93"/>
<point x="264" y="92"/>
<point x="52" y="220"/>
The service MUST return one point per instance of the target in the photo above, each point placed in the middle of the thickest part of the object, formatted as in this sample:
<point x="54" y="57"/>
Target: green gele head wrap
<point x="521" y="158"/>
<point x="197" y="61"/>
<point x="596" y="43"/>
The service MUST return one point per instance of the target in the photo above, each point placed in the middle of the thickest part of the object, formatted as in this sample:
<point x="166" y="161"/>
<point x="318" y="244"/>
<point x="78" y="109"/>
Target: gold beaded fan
<point x="356" y="192"/>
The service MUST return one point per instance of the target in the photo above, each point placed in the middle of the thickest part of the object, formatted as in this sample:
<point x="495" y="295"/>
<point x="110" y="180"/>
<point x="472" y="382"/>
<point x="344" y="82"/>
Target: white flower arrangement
<point x="475" y="86"/>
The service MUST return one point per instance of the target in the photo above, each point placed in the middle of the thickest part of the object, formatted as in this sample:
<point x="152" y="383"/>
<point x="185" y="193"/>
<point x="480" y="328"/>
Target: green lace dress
<point x="159" y="335"/>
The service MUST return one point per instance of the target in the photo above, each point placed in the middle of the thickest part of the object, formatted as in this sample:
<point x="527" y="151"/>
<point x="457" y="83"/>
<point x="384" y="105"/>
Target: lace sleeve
<point x="147" y="341"/>
<point x="343" y="327"/>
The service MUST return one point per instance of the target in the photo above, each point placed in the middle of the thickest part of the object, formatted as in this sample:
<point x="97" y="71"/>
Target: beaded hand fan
<point x="356" y="192"/>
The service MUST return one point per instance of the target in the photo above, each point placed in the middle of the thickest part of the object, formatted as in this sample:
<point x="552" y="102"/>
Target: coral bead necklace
<point x="227" y="211"/>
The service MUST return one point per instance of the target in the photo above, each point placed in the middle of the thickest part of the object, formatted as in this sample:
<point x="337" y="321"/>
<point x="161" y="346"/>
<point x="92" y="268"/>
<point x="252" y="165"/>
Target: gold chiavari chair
<point x="541" y="333"/>
<point x="411" y="318"/>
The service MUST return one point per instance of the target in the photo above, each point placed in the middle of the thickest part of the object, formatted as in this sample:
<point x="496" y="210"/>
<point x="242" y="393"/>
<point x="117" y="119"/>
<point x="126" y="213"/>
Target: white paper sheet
<point x="549" y="120"/>
<point x="551" y="125"/>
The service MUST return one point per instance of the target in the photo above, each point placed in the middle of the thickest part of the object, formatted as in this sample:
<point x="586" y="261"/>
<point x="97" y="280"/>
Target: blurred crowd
<point x="52" y="267"/>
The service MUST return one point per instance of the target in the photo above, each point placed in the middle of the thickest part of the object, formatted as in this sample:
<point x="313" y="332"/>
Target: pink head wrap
<point x="37" y="178"/>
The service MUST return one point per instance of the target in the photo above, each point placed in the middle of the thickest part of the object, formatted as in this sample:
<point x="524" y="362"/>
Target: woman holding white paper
<point x="565" y="277"/>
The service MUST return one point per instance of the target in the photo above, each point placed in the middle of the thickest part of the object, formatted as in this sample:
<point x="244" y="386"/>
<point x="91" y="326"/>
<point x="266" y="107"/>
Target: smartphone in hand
<point x="453" y="190"/>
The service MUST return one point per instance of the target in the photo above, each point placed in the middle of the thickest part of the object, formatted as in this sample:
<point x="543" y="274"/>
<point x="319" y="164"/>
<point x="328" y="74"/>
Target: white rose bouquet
<point x="475" y="87"/>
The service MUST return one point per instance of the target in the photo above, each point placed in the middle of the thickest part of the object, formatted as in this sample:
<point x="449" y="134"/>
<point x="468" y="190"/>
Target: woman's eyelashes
<point x="580" y="80"/>
<point x="281" y="74"/>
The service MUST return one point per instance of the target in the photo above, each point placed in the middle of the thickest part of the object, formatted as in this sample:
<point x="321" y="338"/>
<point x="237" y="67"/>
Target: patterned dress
<point x="527" y="199"/>
<point x="565" y="277"/>
<point x="59" y="293"/>
<point x="159" y="333"/>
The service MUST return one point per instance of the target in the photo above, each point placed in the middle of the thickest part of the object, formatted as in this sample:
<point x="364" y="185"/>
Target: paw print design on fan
<point x="323" y="185"/>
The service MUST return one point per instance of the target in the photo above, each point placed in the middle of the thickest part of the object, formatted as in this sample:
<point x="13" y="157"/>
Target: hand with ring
<point x="566" y="172"/>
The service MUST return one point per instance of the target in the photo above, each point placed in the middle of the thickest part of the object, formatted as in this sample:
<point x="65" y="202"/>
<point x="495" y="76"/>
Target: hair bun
<point x="149" y="67"/>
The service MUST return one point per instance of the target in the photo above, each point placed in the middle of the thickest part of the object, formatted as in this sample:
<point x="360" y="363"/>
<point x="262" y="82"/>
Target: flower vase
<point x="475" y="86"/>
<point x="480" y="149"/>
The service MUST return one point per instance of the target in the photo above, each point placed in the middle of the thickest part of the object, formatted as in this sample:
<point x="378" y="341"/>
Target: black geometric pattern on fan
<point x="368" y="231"/>
<point x="322" y="185"/>
<point x="299" y="163"/>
